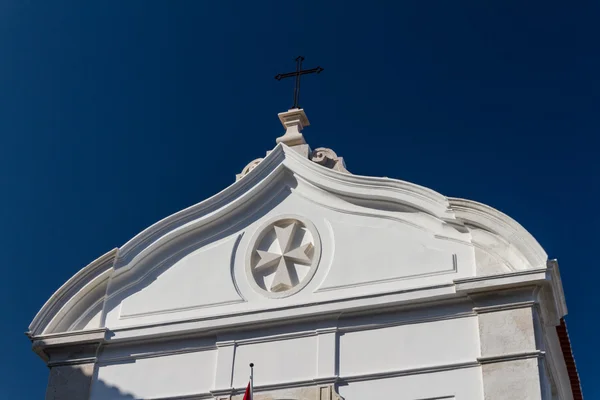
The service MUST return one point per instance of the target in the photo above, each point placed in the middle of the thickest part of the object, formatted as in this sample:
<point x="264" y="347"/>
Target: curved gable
<point x="379" y="235"/>
<point x="78" y="303"/>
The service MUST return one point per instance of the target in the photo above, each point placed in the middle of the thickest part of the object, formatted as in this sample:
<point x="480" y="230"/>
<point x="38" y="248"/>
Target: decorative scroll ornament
<point x="251" y="165"/>
<point x="328" y="158"/>
<point x="294" y="121"/>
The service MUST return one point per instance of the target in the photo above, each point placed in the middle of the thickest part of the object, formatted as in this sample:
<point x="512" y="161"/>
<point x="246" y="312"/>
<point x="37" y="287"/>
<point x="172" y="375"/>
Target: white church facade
<point x="335" y="286"/>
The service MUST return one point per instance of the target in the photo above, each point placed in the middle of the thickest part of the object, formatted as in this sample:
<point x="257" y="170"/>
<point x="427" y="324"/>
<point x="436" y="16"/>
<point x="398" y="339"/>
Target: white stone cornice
<point x="557" y="289"/>
<point x="511" y="357"/>
<point x="410" y="371"/>
<point x="152" y="354"/>
<point x="404" y="299"/>
<point x="504" y="281"/>
<point x="547" y="290"/>
<point x="474" y="213"/>
<point x="74" y="289"/>
<point x="102" y="337"/>
<point x="257" y="318"/>
<point x="91" y="339"/>
<point x="72" y="337"/>
<point x="74" y="361"/>
<point x="504" y="307"/>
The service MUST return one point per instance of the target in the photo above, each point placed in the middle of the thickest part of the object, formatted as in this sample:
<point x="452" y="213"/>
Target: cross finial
<point x="299" y="72"/>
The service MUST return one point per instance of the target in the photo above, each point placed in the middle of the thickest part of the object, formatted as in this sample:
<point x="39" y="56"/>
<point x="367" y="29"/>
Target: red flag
<point x="247" y="395"/>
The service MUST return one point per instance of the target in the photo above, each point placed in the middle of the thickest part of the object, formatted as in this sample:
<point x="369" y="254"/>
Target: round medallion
<point x="283" y="256"/>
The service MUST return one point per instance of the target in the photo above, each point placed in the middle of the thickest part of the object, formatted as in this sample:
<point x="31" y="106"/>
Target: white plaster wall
<point x="155" y="377"/>
<point x="200" y="279"/>
<point x="460" y="384"/>
<point x="362" y="254"/>
<point x="406" y="347"/>
<point x="422" y="353"/>
<point x="280" y="361"/>
<point x="375" y="250"/>
<point x="375" y="351"/>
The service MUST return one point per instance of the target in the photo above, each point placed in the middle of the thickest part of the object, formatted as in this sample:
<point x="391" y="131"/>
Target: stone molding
<point x="79" y="285"/>
<point x="472" y="213"/>
<point x="393" y="299"/>
<point x="409" y="371"/>
<point x="511" y="357"/>
<point x="312" y="392"/>
<point x="352" y="306"/>
<point x="83" y="343"/>
<point x="151" y="354"/>
<point x="513" y="302"/>
<point x="504" y="307"/>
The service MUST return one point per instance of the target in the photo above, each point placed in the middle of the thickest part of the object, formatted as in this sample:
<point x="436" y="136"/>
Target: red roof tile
<point x="565" y="345"/>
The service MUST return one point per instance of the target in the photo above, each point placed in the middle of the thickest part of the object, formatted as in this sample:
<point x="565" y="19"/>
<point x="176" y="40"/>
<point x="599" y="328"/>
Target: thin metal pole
<point x="251" y="381"/>
<point x="297" y="88"/>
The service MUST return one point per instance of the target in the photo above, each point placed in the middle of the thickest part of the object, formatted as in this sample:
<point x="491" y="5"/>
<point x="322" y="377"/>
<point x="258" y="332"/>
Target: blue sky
<point x="114" y="115"/>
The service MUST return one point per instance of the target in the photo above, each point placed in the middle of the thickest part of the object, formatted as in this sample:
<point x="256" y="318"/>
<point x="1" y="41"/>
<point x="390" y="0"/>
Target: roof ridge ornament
<point x="294" y="121"/>
<point x="328" y="158"/>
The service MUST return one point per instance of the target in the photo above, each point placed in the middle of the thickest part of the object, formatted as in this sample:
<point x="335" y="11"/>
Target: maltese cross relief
<point x="284" y="256"/>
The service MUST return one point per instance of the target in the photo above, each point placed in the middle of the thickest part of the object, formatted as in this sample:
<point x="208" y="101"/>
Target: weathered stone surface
<point x="70" y="382"/>
<point x="512" y="380"/>
<point x="506" y="332"/>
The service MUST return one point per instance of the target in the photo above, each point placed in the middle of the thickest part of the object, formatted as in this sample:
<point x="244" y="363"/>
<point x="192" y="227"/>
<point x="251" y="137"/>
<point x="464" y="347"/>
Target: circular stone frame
<point x="260" y="233"/>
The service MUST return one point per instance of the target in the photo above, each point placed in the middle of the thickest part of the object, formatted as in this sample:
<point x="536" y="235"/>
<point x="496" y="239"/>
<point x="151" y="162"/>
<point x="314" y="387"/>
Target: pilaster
<point x="71" y="357"/>
<point x="223" y="385"/>
<point x="512" y="353"/>
<point x="70" y="382"/>
<point x="327" y="351"/>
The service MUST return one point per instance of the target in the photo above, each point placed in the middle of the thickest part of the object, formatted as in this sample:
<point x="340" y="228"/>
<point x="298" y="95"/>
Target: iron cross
<point x="299" y="71"/>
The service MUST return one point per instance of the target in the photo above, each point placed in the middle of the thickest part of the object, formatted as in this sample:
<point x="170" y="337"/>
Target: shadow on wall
<point x="72" y="382"/>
